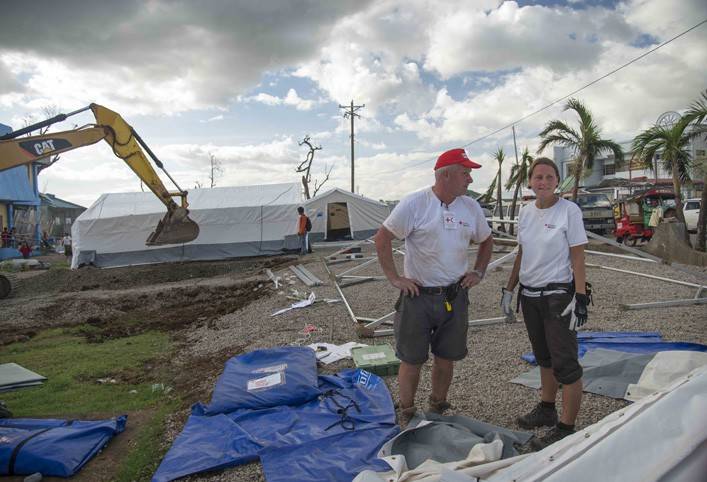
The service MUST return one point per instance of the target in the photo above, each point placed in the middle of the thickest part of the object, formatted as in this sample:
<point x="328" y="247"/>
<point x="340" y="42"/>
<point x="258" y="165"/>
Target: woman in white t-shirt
<point x="551" y="271"/>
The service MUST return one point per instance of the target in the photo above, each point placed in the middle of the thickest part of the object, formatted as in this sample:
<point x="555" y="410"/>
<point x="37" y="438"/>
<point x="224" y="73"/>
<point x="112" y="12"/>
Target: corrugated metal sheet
<point x="15" y="186"/>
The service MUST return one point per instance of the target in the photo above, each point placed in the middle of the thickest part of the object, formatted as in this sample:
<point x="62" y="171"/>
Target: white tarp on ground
<point x="365" y="215"/>
<point x="233" y="222"/>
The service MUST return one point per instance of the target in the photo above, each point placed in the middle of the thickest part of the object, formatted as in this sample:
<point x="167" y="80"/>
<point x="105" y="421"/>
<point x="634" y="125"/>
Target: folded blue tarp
<point x="332" y="437"/>
<point x="266" y="378"/>
<point x="626" y="341"/>
<point x="57" y="448"/>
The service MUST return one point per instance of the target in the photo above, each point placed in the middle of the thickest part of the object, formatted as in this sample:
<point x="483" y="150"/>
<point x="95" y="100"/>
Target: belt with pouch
<point x="450" y="292"/>
<point x="566" y="287"/>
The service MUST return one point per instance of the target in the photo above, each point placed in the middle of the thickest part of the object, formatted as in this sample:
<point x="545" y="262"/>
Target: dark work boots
<point x="555" y="434"/>
<point x="540" y="416"/>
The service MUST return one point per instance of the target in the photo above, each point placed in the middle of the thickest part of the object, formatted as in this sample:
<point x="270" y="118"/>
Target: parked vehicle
<point x="597" y="212"/>
<point x="691" y="209"/>
<point x="633" y="215"/>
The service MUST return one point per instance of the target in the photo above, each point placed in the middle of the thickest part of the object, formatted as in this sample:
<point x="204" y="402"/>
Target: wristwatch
<point x="478" y="273"/>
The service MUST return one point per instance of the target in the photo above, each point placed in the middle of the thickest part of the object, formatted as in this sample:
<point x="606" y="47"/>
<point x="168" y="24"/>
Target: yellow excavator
<point x="175" y="227"/>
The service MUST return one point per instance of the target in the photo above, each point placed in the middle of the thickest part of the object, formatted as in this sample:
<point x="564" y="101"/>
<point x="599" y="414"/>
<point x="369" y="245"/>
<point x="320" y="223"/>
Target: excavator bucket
<point x="174" y="228"/>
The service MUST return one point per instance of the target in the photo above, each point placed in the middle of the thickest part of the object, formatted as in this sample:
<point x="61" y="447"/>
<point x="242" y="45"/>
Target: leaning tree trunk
<point x="306" y="187"/>
<point x="511" y="216"/>
<point x="575" y="189"/>
<point x="578" y="167"/>
<point x="702" y="220"/>
<point x="499" y="202"/>
<point x="678" y="201"/>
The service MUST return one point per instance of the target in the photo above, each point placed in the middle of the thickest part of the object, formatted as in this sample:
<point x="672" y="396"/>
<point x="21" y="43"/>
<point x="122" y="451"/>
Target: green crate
<point x="378" y="359"/>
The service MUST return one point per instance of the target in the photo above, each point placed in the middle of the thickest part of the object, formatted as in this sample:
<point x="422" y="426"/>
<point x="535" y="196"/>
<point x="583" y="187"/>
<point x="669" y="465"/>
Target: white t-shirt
<point x="546" y="236"/>
<point x="436" y="235"/>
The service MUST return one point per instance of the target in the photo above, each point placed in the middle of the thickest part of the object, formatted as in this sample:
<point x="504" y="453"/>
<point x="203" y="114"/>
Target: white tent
<point x="339" y="214"/>
<point x="233" y="222"/>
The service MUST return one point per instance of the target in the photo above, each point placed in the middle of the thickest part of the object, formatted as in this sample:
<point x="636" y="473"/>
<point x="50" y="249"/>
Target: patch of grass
<point x="72" y="368"/>
<point x="147" y="453"/>
<point x="63" y="264"/>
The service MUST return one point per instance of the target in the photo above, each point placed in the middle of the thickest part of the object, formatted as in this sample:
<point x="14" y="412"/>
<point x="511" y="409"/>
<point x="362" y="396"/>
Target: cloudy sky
<point x="245" y="81"/>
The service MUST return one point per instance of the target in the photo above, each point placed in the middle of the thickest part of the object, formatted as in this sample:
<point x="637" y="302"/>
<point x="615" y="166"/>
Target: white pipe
<point x="623" y="256"/>
<point x="684" y="283"/>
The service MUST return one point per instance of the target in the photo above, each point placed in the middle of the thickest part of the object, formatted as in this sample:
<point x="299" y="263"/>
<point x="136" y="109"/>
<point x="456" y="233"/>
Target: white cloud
<point x="433" y="74"/>
<point x="160" y="57"/>
<point x="290" y="99"/>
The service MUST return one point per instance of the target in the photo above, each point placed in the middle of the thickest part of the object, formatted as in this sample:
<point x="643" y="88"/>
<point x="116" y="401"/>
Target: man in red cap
<point x="437" y="223"/>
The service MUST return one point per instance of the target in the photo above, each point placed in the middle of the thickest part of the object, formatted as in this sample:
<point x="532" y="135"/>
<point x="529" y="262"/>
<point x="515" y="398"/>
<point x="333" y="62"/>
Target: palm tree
<point x="488" y="195"/>
<point x="696" y="114"/>
<point x="518" y="178"/>
<point x="672" y="142"/>
<point x="500" y="156"/>
<point x="586" y="142"/>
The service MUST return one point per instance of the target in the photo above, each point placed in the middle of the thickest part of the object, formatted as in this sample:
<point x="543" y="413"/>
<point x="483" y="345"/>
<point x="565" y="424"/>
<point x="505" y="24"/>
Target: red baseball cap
<point x="455" y="156"/>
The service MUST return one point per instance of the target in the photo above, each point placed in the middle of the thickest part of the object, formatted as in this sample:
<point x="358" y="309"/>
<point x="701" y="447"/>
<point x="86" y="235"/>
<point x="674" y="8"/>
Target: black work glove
<point x="577" y="309"/>
<point x="580" y="308"/>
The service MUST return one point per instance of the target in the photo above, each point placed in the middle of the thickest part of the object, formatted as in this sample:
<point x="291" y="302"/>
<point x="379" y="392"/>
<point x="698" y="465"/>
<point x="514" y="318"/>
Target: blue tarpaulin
<point x="332" y="437"/>
<point x="626" y="341"/>
<point x="57" y="448"/>
<point x="266" y="378"/>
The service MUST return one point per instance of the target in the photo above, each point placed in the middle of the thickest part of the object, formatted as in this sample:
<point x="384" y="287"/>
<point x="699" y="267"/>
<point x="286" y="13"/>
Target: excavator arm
<point x="176" y="227"/>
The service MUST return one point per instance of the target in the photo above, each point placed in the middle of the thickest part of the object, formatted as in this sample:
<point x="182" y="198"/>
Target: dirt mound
<point x="90" y="278"/>
<point x="125" y="301"/>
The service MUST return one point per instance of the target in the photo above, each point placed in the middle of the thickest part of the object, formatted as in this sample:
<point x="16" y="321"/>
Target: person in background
<point x="25" y="250"/>
<point x="302" y="231"/>
<point x="550" y="268"/>
<point x="5" y="238"/>
<point x="45" y="240"/>
<point x="67" y="245"/>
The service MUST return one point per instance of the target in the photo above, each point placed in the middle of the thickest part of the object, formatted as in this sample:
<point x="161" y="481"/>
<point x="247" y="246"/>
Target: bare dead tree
<point x="48" y="112"/>
<point x="216" y="169"/>
<point x="317" y="186"/>
<point x="306" y="167"/>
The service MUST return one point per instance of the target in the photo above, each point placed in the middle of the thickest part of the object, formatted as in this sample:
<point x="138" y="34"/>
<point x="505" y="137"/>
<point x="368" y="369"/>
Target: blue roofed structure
<point x="57" y="215"/>
<point x="19" y="204"/>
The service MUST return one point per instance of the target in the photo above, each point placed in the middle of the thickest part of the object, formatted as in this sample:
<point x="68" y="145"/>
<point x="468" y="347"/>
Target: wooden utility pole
<point x="351" y="112"/>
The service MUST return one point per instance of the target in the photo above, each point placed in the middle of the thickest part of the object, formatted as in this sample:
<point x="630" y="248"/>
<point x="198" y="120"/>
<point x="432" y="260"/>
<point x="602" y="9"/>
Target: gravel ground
<point x="481" y="387"/>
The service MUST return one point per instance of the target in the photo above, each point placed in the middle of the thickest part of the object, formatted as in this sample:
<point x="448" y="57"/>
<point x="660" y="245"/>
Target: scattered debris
<point x="305" y="275"/>
<point x="329" y="353"/>
<point x="161" y="387"/>
<point x="300" y="304"/>
<point x="275" y="279"/>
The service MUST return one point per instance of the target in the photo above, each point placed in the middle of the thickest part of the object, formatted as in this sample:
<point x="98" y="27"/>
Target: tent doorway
<point x="338" y="226"/>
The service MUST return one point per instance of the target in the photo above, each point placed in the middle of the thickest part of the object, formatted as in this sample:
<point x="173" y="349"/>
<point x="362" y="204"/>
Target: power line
<point x="573" y="92"/>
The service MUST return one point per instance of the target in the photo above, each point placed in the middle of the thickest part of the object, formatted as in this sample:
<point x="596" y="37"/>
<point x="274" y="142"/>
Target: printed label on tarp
<point x="373" y="356"/>
<point x="366" y="379"/>
<point x="266" y="382"/>
<point x="272" y="369"/>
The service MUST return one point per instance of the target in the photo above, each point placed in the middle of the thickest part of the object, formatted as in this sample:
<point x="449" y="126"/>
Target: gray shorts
<point x="422" y="322"/>
<point x="554" y="344"/>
